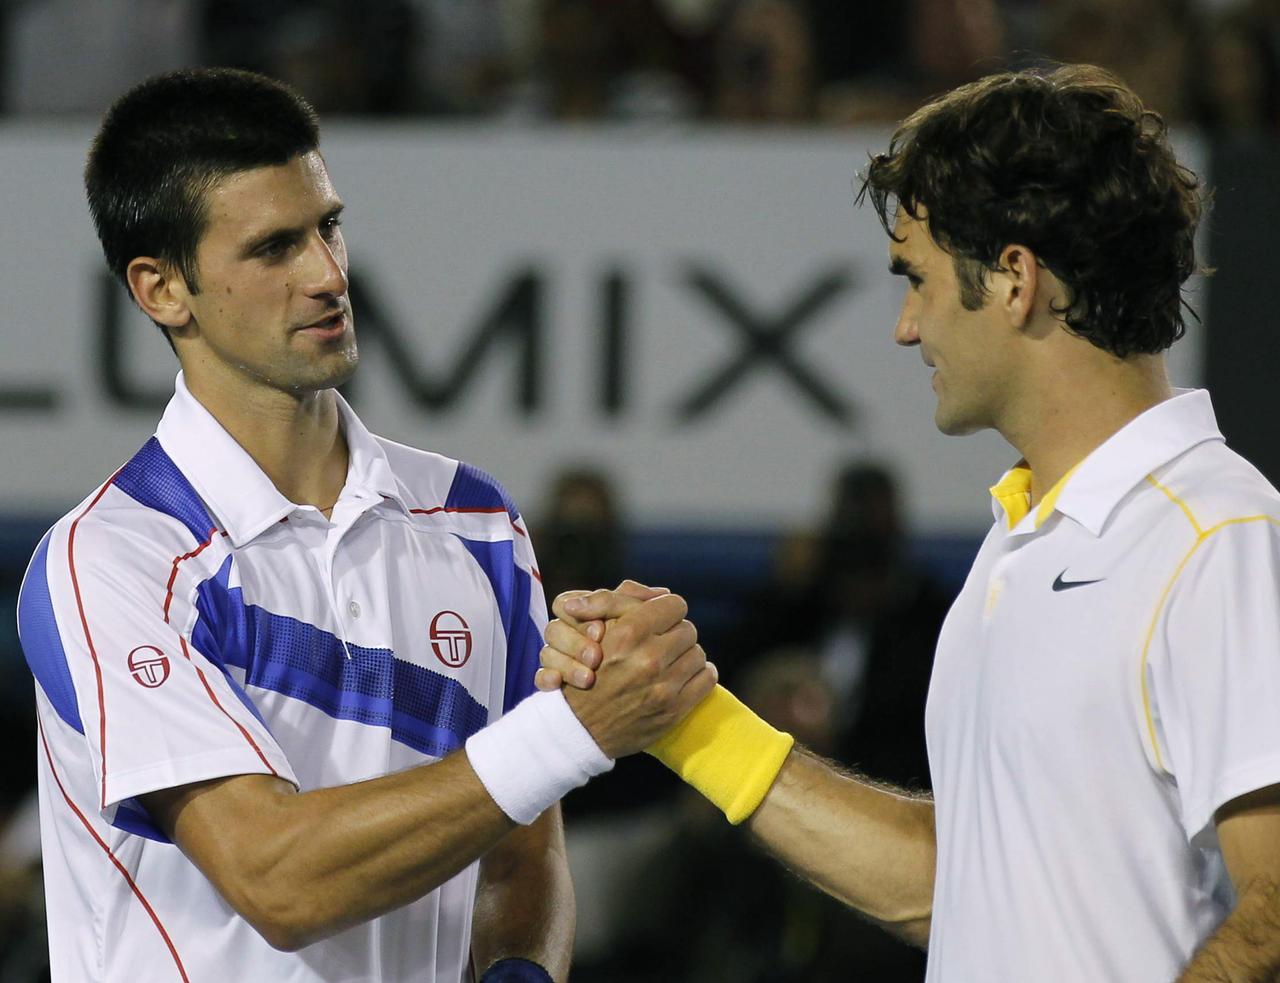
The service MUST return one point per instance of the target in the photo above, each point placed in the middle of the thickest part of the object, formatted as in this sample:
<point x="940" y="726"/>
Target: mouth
<point x="327" y="328"/>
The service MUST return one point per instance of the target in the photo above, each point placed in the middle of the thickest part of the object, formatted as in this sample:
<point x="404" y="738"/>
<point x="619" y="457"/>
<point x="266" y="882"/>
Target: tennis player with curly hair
<point x="1102" y="727"/>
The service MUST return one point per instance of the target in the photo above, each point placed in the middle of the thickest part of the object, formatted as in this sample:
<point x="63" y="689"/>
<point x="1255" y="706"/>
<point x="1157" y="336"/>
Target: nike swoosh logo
<point x="1060" y="584"/>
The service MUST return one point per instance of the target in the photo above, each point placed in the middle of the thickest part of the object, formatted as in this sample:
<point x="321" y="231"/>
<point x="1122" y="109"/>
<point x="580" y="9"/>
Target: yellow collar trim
<point x="1013" y="493"/>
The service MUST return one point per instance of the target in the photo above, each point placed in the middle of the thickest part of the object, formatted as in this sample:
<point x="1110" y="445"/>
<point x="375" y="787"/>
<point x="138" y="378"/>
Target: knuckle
<point x="689" y="631"/>
<point x="649" y="665"/>
<point x="624" y="635"/>
<point x="558" y="639"/>
<point x="564" y="596"/>
<point x="544" y="680"/>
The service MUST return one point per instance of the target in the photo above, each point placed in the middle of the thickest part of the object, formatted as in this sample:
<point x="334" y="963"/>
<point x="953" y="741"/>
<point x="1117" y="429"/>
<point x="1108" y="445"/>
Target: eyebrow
<point x="287" y="232"/>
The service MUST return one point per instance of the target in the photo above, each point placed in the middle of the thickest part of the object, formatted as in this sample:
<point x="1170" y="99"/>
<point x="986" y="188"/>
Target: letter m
<point x="515" y="318"/>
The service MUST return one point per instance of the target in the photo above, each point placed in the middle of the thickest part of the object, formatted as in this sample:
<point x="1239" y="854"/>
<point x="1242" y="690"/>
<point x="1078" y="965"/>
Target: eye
<point x="329" y="227"/>
<point x="275" y="248"/>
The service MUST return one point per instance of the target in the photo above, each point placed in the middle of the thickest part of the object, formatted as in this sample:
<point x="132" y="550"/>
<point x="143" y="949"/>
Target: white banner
<point x="705" y="315"/>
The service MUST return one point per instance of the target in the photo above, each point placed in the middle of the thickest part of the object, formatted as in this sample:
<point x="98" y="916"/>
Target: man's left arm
<point x="524" y="904"/>
<point x="1246" y="946"/>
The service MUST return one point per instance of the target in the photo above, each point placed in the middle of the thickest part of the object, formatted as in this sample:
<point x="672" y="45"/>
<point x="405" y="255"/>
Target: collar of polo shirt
<point x="1090" y="491"/>
<point x="235" y="489"/>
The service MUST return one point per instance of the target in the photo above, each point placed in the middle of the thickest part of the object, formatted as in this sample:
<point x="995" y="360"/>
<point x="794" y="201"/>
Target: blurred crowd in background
<point x="1213" y="63"/>
<point x="829" y="632"/>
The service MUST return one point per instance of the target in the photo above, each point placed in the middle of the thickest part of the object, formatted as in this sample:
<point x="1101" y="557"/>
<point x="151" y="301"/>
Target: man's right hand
<point x="651" y="671"/>
<point x="572" y="652"/>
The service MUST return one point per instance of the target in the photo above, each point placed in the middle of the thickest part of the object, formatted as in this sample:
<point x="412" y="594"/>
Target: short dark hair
<point x="165" y="142"/>
<point x="1069" y="163"/>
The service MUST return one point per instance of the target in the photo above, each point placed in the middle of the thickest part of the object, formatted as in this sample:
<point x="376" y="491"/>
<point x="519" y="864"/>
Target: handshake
<point x="630" y="662"/>
<point x="637" y="679"/>
<point x="622" y="672"/>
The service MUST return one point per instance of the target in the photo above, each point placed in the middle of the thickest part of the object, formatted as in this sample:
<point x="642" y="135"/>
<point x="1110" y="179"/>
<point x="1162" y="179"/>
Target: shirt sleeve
<point x="153" y="712"/>
<point x="1215" y="676"/>
<point x="528" y="623"/>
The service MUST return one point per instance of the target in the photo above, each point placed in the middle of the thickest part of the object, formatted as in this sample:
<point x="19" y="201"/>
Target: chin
<point x="350" y="361"/>
<point x="330" y="373"/>
<point x="954" y="424"/>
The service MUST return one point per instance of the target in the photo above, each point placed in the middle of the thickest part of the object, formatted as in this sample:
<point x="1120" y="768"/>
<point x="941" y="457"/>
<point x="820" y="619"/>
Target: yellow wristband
<point x="725" y="752"/>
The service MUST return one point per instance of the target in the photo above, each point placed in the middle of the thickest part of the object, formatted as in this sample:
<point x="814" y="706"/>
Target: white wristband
<point x="535" y="754"/>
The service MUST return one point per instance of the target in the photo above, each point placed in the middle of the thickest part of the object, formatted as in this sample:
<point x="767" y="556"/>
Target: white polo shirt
<point x="187" y="622"/>
<point x="1108" y="677"/>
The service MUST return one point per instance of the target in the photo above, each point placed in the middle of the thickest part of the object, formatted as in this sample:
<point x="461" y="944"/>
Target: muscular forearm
<point x="871" y="848"/>
<point x="524" y="903"/>
<point x="300" y="867"/>
<point x="1246" y="946"/>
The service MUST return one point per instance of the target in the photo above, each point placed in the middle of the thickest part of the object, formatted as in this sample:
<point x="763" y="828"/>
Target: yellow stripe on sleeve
<point x="1202" y="535"/>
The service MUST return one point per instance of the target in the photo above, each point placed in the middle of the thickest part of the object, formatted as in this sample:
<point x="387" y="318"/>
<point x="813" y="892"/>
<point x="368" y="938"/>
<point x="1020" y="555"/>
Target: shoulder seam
<point x="1186" y="509"/>
<point x="1202" y="535"/>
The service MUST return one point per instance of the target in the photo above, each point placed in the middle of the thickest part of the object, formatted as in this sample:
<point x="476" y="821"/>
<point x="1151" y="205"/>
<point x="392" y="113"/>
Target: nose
<point x="326" y="267"/>
<point x="906" y="332"/>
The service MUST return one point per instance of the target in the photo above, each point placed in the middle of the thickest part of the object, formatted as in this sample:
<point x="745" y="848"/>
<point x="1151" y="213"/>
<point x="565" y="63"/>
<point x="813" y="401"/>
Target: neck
<point x="1079" y="403"/>
<point x="296" y="439"/>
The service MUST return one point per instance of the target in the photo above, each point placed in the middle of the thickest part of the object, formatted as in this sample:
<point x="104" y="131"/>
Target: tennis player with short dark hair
<point x="1102" y="720"/>
<point x="262" y="646"/>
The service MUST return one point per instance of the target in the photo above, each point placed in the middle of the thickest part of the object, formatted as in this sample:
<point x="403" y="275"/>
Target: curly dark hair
<point x="1070" y="164"/>
<point x="165" y="142"/>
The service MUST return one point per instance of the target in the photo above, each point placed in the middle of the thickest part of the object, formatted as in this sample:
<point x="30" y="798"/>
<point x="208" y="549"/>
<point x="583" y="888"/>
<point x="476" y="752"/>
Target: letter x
<point x="768" y="339"/>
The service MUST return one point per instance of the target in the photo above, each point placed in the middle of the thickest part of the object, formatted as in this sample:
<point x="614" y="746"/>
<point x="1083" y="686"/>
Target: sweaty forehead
<point x="264" y="197"/>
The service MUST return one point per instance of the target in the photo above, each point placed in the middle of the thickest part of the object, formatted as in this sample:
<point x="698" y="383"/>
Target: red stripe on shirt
<point x="212" y="696"/>
<point x="84" y="622"/>
<point x="110" y="855"/>
<point x="173" y="574"/>
<point x="441" y="508"/>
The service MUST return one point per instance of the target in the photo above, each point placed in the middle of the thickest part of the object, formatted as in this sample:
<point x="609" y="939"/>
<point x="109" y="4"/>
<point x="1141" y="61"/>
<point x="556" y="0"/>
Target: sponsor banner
<point x="705" y="315"/>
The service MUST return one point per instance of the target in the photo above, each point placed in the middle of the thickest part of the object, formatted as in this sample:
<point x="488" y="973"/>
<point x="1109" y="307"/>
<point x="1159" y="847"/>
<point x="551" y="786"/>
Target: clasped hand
<point x="629" y="661"/>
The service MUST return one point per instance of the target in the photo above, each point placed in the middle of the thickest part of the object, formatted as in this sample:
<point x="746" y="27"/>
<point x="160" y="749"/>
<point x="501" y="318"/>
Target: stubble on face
<point x="274" y="311"/>
<point x="299" y="372"/>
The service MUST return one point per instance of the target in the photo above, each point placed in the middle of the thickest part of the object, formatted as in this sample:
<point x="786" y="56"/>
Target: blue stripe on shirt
<point x="42" y="647"/>
<point x="429" y="712"/>
<point x="512" y="588"/>
<point x="476" y="489"/>
<point x="41" y="642"/>
<point x="152" y="479"/>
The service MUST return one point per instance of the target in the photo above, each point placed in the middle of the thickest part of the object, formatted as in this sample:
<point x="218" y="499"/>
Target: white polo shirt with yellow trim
<point x="1107" y="679"/>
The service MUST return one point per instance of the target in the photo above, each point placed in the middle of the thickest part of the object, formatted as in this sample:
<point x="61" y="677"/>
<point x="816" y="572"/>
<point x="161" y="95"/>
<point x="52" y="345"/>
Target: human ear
<point x="1020" y="274"/>
<point x="160" y="290"/>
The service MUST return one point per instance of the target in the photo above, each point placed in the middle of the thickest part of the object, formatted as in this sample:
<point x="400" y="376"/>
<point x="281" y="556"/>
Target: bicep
<point x="1249" y="835"/>
<point x="222" y="825"/>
